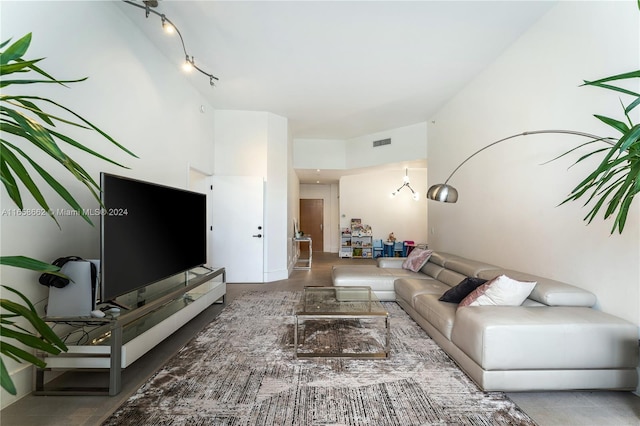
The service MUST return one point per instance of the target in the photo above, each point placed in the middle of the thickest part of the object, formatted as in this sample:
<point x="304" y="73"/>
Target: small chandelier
<point x="406" y="183"/>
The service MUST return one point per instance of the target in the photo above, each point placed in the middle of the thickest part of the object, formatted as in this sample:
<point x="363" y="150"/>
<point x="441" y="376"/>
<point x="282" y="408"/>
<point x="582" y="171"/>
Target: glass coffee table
<point x="341" y="322"/>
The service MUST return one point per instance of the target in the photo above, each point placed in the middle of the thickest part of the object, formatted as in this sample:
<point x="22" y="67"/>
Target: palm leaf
<point x="28" y="263"/>
<point x="616" y="124"/>
<point x="15" y="50"/>
<point x="53" y="183"/>
<point x="16" y="123"/>
<point x="18" y="354"/>
<point x="31" y="315"/>
<point x="632" y="105"/>
<point x="14" y="163"/>
<point x="622" y="76"/>
<point x="10" y="183"/>
<point x="5" y="379"/>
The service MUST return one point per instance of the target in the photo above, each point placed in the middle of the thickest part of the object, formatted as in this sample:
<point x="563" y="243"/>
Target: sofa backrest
<point x="451" y="269"/>
<point x="548" y="291"/>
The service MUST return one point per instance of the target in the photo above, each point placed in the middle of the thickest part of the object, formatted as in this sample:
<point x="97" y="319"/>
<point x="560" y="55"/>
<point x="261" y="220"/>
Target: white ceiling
<point x="338" y="69"/>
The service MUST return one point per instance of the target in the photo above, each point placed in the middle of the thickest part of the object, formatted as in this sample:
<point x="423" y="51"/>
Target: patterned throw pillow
<point x="417" y="259"/>
<point x="500" y="291"/>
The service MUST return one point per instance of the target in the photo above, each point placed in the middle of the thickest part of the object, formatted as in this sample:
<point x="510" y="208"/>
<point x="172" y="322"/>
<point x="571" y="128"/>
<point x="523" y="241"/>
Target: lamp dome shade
<point x="443" y="193"/>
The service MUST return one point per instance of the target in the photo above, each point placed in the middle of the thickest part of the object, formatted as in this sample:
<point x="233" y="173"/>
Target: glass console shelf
<point x="117" y="340"/>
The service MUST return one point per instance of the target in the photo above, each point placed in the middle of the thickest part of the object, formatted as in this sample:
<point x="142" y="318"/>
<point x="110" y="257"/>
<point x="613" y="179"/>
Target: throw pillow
<point x="501" y="290"/>
<point x="457" y="293"/>
<point x="417" y="259"/>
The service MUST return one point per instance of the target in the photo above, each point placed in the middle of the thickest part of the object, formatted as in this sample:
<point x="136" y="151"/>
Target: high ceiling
<point x="338" y="69"/>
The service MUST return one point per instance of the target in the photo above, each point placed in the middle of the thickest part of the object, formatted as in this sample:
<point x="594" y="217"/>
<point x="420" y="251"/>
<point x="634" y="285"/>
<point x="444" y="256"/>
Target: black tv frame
<point x="148" y="232"/>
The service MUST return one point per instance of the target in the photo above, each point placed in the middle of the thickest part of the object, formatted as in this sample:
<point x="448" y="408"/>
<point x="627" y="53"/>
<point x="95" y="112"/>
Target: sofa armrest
<point x="391" y="262"/>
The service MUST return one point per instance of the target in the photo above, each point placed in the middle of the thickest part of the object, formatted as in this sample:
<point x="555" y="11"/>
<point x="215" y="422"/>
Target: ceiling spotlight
<point x="167" y="26"/>
<point x="188" y="64"/>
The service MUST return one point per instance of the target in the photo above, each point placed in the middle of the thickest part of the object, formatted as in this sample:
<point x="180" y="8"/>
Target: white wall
<point x="407" y="143"/>
<point x="293" y="204"/>
<point x="508" y="211"/>
<point x="368" y="197"/>
<point x="276" y="203"/>
<point x="319" y="154"/>
<point x="133" y="93"/>
<point x="254" y="143"/>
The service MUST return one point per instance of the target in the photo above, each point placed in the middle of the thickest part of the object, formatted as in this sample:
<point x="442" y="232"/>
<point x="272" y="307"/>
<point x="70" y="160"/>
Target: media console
<point x="117" y="340"/>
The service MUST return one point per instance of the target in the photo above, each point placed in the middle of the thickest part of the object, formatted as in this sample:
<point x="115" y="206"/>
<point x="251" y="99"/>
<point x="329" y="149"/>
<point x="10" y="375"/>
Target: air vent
<point x="382" y="142"/>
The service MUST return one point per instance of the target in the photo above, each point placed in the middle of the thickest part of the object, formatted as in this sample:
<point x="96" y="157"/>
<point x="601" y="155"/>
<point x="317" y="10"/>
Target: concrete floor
<point x="546" y="408"/>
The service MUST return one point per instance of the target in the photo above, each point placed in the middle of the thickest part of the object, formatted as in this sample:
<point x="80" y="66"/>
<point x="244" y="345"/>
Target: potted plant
<point x="28" y="120"/>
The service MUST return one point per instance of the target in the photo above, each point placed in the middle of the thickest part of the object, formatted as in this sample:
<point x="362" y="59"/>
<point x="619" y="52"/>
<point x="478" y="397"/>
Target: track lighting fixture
<point x="406" y="183"/>
<point x="170" y="28"/>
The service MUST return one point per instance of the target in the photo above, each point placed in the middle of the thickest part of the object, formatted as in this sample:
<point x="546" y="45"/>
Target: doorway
<point x="312" y="221"/>
<point x="238" y="235"/>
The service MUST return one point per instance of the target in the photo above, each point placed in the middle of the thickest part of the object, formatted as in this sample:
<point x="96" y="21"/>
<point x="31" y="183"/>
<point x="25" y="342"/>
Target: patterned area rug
<point x="240" y="370"/>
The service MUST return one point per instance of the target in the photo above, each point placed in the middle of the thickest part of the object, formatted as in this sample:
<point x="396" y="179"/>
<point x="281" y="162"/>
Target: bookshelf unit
<point x="345" y="243"/>
<point x="356" y="241"/>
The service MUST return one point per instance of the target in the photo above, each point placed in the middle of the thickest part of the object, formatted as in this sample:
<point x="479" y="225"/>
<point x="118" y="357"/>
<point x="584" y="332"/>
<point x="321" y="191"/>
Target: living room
<point x="508" y="212"/>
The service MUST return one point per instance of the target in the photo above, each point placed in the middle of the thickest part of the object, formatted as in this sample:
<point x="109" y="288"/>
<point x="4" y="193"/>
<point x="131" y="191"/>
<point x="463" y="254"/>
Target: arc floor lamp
<point x="448" y="194"/>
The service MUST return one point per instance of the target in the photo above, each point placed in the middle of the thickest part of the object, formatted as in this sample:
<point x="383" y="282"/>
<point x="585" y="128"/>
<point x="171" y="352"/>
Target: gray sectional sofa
<point x="554" y="341"/>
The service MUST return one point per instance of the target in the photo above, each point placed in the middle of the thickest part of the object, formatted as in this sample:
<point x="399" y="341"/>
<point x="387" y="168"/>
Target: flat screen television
<point x="148" y="232"/>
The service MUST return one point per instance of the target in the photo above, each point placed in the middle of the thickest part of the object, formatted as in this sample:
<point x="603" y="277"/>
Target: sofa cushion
<point x="370" y="275"/>
<point x="450" y="278"/>
<point x="439" y="314"/>
<point x="500" y="291"/>
<point x="408" y="288"/>
<point x="470" y="268"/>
<point x="459" y="292"/>
<point x="528" y="338"/>
<point x="390" y="262"/>
<point x="548" y="291"/>
<point x="438" y="258"/>
<point x="417" y="259"/>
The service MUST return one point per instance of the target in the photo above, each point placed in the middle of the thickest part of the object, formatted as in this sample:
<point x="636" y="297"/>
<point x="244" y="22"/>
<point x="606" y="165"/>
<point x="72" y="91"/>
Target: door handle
<point x="258" y="236"/>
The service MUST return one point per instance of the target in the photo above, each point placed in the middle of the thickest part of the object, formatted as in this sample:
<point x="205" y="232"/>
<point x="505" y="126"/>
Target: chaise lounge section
<point x="554" y="340"/>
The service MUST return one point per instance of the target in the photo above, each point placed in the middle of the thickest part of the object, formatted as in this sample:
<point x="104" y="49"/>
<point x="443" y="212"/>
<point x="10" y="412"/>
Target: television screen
<point x="148" y="232"/>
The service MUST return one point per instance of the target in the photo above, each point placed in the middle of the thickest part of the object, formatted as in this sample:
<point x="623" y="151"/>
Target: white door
<point x="238" y="234"/>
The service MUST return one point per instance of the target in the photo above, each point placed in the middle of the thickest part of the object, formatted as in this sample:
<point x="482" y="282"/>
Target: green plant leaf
<point x="16" y="67"/>
<point x="31" y="315"/>
<point x="19" y="354"/>
<point x="88" y="123"/>
<point x="28" y="263"/>
<point x="5" y="379"/>
<point x="633" y="104"/>
<point x="622" y="76"/>
<point x="616" y="124"/>
<point x="630" y="137"/>
<point x="29" y="340"/>
<point x="22" y="173"/>
<point x="23" y="101"/>
<point x="15" y="50"/>
<point x="615" y="89"/>
<point x="84" y="148"/>
<point x="53" y="183"/>
<point x="10" y="183"/>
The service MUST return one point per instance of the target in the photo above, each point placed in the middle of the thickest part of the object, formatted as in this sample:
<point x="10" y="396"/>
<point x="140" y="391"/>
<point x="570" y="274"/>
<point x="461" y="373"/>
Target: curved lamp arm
<point x="448" y="194"/>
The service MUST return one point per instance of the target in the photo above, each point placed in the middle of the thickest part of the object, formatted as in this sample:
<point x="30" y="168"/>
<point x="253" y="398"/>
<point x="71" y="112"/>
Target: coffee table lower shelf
<point x="383" y="353"/>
